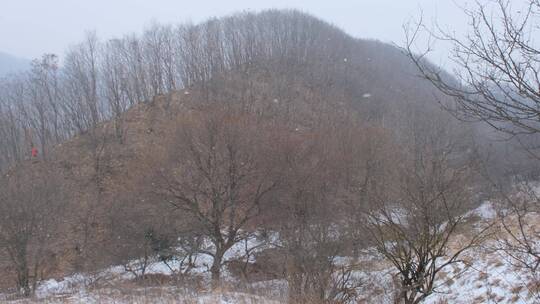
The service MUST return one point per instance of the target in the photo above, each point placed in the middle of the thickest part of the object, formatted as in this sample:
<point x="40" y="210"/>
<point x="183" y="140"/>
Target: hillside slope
<point x="328" y="73"/>
<point x="492" y="278"/>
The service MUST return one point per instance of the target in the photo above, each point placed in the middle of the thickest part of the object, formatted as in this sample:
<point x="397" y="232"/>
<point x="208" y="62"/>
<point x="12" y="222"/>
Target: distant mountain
<point x="11" y="64"/>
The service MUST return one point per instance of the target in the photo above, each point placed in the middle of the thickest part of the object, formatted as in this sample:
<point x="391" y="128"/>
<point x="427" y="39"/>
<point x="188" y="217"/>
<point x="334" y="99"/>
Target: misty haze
<point x="299" y="152"/>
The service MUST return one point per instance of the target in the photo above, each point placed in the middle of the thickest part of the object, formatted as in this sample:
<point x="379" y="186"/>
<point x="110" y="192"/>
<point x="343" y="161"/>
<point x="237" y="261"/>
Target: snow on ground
<point x="233" y="298"/>
<point x="490" y="279"/>
<point x="485" y="277"/>
<point x="485" y="211"/>
<point x="77" y="287"/>
<point x="151" y="295"/>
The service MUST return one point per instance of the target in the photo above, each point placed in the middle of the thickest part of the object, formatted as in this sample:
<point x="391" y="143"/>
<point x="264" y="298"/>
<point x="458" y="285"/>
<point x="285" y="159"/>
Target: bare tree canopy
<point x="496" y="63"/>
<point x="29" y="208"/>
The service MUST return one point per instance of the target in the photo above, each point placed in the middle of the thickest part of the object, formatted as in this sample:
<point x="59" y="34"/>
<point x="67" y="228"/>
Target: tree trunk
<point x="408" y="298"/>
<point x="23" y="280"/>
<point x="296" y="293"/>
<point x="215" y="270"/>
<point x="295" y="290"/>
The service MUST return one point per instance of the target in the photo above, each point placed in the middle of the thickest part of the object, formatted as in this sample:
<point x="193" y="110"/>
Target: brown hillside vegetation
<point x="100" y="175"/>
<point x="298" y="130"/>
<point x="97" y="172"/>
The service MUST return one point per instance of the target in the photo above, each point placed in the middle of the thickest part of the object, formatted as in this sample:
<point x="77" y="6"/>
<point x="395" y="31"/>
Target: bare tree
<point x="45" y="74"/>
<point x="517" y="240"/>
<point x="12" y="138"/>
<point x="311" y="215"/>
<point x="496" y="81"/>
<point x="497" y="65"/>
<point x="222" y="175"/>
<point x="415" y="215"/>
<point x="81" y="66"/>
<point x="30" y="204"/>
<point x="88" y="219"/>
<point x="115" y="88"/>
<point x="137" y="79"/>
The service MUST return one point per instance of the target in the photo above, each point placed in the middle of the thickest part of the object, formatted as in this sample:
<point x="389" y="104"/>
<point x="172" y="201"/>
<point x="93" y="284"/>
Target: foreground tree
<point x="497" y="67"/>
<point x="311" y="225"/>
<point x="29" y="208"/>
<point x="417" y="213"/>
<point x="223" y="170"/>
<point x="518" y="240"/>
<point x="497" y="82"/>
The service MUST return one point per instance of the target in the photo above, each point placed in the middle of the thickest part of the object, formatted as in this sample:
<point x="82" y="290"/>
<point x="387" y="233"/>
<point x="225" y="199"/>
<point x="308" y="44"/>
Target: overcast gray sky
<point x="29" y="28"/>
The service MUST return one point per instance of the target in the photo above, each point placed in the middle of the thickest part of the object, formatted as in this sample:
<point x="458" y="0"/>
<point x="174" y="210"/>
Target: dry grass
<point x="131" y="293"/>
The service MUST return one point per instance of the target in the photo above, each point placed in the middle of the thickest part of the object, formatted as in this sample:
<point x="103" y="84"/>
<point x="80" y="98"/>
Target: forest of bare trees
<point x="98" y="80"/>
<point x="271" y="132"/>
